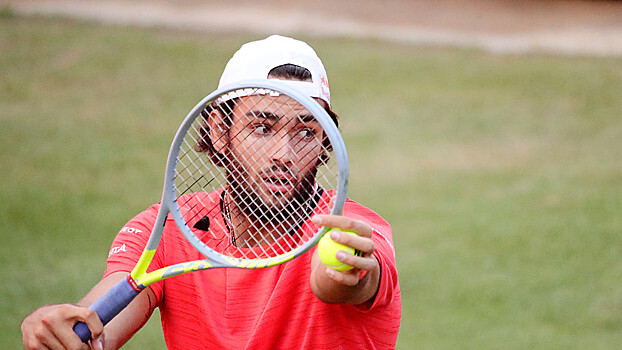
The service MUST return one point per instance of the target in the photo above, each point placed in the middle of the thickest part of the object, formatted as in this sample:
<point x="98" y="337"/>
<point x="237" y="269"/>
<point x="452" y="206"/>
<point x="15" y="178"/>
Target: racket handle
<point x="108" y="306"/>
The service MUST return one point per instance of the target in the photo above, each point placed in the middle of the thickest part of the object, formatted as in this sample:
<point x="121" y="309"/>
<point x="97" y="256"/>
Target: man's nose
<point x="282" y="149"/>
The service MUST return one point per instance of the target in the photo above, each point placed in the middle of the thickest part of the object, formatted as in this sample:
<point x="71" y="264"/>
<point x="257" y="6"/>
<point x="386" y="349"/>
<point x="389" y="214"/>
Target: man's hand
<point x="51" y="327"/>
<point x="352" y="286"/>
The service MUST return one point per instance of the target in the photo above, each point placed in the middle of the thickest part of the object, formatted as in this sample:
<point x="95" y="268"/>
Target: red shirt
<point x="270" y="308"/>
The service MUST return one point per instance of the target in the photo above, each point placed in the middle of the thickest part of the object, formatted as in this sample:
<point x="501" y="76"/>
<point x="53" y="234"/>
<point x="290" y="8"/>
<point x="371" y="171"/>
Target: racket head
<point x="255" y="160"/>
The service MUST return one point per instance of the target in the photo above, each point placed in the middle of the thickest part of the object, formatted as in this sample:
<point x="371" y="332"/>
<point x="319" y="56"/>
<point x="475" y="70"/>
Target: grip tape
<point x="109" y="305"/>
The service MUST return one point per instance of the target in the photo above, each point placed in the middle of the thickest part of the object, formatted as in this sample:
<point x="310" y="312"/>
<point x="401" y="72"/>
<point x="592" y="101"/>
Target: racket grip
<point x="108" y="306"/>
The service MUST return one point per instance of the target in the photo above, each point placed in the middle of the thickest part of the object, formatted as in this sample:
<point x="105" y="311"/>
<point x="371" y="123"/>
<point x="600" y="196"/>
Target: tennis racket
<point x="248" y="167"/>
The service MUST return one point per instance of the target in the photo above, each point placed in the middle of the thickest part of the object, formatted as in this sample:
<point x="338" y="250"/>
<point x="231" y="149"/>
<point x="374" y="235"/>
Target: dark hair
<point x="290" y="71"/>
<point x="286" y="72"/>
<point x="204" y="142"/>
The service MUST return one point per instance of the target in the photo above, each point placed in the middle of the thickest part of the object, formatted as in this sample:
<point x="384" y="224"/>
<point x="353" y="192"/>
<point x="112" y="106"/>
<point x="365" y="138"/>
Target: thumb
<point x="98" y="343"/>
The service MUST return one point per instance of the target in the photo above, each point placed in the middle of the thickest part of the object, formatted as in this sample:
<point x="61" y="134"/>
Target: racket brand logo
<point x="116" y="250"/>
<point x="186" y="267"/>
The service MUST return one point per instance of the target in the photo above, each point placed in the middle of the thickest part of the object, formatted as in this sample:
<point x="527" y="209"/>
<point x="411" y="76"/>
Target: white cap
<point x="256" y="59"/>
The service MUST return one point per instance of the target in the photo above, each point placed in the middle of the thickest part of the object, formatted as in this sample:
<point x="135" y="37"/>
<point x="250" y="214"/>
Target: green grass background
<point x="501" y="174"/>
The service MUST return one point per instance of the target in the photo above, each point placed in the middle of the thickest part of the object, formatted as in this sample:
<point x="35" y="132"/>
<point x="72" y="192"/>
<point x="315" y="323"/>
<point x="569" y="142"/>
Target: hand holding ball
<point x="327" y="249"/>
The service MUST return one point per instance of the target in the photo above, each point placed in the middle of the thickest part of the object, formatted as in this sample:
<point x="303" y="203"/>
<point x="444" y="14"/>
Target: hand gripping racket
<point x="247" y="169"/>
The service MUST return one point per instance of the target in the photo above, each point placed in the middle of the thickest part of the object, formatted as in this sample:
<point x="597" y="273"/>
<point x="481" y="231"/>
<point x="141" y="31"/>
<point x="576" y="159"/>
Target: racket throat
<point x="138" y="277"/>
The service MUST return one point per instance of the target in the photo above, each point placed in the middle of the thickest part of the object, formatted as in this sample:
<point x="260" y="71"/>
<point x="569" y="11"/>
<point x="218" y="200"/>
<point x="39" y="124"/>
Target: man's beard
<point x="247" y="199"/>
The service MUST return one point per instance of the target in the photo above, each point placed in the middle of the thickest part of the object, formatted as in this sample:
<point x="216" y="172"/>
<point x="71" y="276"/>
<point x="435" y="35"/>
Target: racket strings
<point x="269" y="160"/>
<point x="290" y="227"/>
<point x="287" y="227"/>
<point x="254" y="239"/>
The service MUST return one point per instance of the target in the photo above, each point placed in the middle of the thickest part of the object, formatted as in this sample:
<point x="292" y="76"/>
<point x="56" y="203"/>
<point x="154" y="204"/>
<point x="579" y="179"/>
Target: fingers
<point x="352" y="277"/>
<point x="363" y="244"/>
<point x="345" y="223"/>
<point x="98" y="343"/>
<point x="92" y="320"/>
<point x="64" y="324"/>
<point x="366" y="261"/>
<point x="347" y="278"/>
<point x="51" y="327"/>
<point x="357" y="262"/>
<point x="40" y="337"/>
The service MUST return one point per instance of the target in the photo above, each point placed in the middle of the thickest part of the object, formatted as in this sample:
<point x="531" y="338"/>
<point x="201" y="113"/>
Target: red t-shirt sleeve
<point x="130" y="242"/>
<point x="384" y="253"/>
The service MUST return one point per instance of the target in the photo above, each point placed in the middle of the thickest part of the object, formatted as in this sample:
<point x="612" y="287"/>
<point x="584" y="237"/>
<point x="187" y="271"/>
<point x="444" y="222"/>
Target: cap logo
<point x="324" y="88"/>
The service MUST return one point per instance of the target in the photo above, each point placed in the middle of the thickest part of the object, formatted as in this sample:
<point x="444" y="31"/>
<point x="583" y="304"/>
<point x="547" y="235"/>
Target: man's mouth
<point x="279" y="182"/>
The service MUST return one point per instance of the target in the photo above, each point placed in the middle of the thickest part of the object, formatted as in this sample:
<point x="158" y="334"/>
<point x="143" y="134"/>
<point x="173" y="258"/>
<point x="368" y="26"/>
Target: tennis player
<point x="301" y="304"/>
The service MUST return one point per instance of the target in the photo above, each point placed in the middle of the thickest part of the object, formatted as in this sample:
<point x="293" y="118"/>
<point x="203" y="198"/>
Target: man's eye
<point x="306" y="133"/>
<point x="261" y="129"/>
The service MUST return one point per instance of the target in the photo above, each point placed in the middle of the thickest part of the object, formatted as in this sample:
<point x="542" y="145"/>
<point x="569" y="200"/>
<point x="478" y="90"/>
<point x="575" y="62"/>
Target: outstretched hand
<point x="354" y="286"/>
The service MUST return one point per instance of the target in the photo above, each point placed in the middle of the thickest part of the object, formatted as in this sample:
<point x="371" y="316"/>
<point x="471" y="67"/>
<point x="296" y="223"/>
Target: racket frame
<point x="121" y="294"/>
<point x="214" y="259"/>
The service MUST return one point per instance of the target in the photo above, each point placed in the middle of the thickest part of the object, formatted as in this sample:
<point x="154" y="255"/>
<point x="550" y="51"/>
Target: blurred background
<point x="488" y="133"/>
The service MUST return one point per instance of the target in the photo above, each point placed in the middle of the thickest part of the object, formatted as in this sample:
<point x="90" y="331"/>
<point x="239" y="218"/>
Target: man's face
<point x="274" y="149"/>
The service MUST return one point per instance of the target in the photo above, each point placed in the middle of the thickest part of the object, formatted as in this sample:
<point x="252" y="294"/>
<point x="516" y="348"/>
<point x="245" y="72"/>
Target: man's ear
<point x="218" y="130"/>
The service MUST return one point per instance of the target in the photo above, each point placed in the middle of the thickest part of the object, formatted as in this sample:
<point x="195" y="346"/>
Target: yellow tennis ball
<point x="327" y="249"/>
